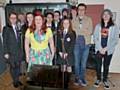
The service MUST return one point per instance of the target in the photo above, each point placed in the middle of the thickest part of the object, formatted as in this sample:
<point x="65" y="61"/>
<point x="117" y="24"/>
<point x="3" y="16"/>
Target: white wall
<point x="111" y="4"/>
<point x="2" y="16"/>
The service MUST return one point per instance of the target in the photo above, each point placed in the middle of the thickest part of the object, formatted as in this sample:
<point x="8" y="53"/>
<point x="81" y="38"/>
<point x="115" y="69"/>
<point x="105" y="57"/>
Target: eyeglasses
<point x="81" y="9"/>
<point x="56" y="15"/>
<point x="13" y="18"/>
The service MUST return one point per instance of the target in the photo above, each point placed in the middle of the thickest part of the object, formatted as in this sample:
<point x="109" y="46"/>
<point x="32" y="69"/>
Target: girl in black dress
<point x="66" y="41"/>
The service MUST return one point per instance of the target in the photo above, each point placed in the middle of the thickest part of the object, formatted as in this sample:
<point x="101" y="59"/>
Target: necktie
<point x="16" y="34"/>
<point x="80" y="25"/>
<point x="56" y="24"/>
<point x="64" y="33"/>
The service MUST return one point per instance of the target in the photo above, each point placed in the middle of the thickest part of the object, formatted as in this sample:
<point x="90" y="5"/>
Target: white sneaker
<point x="83" y="83"/>
<point x="75" y="83"/>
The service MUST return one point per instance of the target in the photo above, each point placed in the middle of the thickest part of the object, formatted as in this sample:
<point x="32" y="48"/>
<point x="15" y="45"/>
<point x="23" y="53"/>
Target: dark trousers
<point x="15" y="72"/>
<point x="106" y="63"/>
<point x="67" y="76"/>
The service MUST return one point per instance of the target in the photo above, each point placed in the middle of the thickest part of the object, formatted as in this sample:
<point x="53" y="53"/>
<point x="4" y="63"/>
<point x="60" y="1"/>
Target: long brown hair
<point x="43" y="27"/>
<point x="70" y="29"/>
<point x="110" y="22"/>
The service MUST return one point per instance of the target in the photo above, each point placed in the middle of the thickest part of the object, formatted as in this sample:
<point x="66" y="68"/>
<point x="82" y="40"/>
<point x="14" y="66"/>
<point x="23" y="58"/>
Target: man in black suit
<point x="55" y="29"/>
<point x="56" y="21"/>
<point x="12" y="48"/>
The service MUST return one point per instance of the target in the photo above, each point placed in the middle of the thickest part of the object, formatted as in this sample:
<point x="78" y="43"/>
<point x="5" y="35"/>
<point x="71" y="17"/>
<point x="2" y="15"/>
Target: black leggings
<point x="106" y="64"/>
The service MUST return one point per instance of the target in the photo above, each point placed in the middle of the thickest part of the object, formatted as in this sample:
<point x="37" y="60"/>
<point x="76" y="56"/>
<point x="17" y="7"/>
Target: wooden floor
<point x="6" y="82"/>
<point x="114" y="79"/>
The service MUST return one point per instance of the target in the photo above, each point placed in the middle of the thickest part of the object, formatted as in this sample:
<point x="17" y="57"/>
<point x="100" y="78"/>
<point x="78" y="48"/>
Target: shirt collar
<point x="65" y="31"/>
<point x="13" y="26"/>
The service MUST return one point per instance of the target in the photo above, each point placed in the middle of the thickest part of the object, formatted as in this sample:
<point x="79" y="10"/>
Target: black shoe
<point x="19" y="83"/>
<point x="106" y="85"/>
<point x="15" y="85"/>
<point x="97" y="83"/>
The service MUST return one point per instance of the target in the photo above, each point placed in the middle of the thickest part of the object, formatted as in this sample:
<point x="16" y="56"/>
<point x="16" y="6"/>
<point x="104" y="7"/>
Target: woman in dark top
<point x="73" y="12"/>
<point x="29" y="22"/>
<point x="49" y="20"/>
<point x="65" y="13"/>
<point x="65" y="47"/>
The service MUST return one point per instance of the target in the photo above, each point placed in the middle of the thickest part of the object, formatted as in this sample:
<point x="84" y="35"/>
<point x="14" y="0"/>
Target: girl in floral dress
<point x="37" y="39"/>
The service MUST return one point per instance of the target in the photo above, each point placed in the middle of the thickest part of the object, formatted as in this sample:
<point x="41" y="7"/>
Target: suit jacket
<point x="86" y="25"/>
<point x="58" y="26"/>
<point x="69" y="42"/>
<point x="12" y="46"/>
<point x="55" y="30"/>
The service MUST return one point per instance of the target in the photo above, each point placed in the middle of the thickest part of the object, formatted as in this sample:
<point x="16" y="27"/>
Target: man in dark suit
<point x="56" y="21"/>
<point x="12" y="48"/>
<point x="55" y="28"/>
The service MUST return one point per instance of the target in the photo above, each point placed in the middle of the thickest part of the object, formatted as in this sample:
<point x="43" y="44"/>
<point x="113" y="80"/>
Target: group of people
<point x="64" y="41"/>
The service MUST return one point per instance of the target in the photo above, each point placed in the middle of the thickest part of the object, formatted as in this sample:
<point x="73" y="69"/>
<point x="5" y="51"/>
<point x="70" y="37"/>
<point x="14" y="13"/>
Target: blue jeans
<point x="81" y="53"/>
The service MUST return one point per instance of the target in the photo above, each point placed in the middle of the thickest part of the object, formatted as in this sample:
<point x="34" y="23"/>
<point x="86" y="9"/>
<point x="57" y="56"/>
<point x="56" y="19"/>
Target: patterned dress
<point x="39" y="48"/>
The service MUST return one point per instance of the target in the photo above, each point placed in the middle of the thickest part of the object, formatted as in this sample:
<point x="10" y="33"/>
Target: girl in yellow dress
<point x="37" y="39"/>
